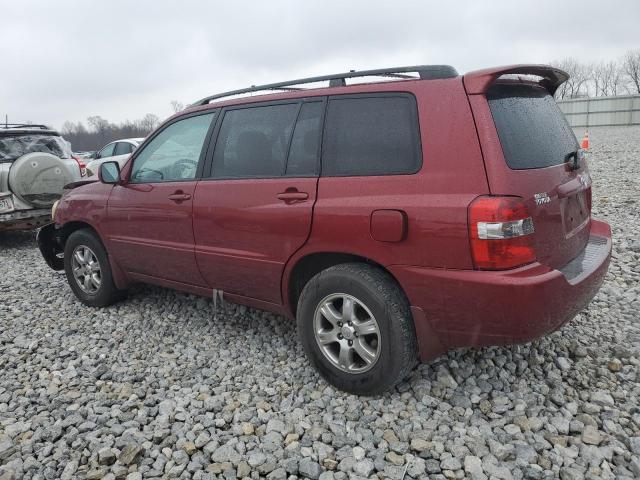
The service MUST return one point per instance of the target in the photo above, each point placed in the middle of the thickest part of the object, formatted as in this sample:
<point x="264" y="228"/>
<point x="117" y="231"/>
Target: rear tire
<point x="88" y="271"/>
<point x="365" y="352"/>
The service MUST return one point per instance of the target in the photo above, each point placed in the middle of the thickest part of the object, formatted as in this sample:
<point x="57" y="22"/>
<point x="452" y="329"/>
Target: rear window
<point x="13" y="147"/>
<point x="532" y="129"/>
<point x="371" y="136"/>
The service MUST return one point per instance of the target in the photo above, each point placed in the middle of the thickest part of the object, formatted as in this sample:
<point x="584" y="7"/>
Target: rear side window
<point x="123" y="148"/>
<point x="371" y="136"/>
<point x="253" y="142"/>
<point x="532" y="130"/>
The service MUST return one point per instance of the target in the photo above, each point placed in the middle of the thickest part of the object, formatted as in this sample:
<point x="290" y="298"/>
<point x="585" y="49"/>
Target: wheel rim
<point x="86" y="269"/>
<point x="347" y="333"/>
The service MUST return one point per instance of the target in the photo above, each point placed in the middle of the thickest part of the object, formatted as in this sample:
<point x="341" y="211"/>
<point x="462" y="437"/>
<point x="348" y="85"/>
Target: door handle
<point x="179" y="196"/>
<point x="292" y="196"/>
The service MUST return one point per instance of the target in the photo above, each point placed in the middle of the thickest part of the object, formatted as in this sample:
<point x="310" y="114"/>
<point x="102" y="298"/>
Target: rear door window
<point x="371" y="136"/>
<point x="253" y="142"/>
<point x="123" y="148"/>
<point x="532" y="129"/>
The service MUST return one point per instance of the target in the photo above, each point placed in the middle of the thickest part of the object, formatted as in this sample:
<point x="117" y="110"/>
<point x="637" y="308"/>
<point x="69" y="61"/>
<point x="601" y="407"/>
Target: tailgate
<point x="529" y="150"/>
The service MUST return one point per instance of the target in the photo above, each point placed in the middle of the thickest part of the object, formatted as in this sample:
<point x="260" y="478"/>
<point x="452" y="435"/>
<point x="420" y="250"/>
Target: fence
<point x="602" y="111"/>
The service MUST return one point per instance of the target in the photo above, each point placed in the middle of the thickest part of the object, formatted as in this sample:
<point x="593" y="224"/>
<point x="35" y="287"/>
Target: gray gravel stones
<point x="154" y="387"/>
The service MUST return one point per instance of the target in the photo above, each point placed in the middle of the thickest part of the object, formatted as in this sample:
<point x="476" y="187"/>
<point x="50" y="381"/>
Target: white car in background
<point x="116" y="151"/>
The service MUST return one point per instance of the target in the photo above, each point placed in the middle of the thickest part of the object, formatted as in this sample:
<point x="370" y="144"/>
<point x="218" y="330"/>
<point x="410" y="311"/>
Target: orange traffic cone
<point x="585" y="141"/>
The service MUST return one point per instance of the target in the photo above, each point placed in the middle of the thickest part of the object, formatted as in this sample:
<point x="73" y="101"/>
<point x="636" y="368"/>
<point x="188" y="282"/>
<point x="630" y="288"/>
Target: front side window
<point x="371" y="136"/>
<point x="107" y="151"/>
<point x="174" y="153"/>
<point x="123" y="148"/>
<point x="253" y="142"/>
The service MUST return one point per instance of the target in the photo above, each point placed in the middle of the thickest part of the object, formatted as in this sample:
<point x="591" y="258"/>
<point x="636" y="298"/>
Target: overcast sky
<point x="67" y="60"/>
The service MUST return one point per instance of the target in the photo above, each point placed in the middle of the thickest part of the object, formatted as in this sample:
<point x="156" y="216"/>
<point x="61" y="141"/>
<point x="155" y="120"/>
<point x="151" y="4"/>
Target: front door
<point x="150" y="216"/>
<point x="255" y="209"/>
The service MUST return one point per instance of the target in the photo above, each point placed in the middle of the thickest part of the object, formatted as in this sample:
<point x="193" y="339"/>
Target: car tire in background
<point x="38" y="179"/>
<point x="356" y="327"/>
<point x="88" y="271"/>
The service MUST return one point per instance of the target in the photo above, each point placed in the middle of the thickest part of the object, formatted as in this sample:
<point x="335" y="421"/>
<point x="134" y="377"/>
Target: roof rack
<point x="425" y="72"/>
<point x="23" y="125"/>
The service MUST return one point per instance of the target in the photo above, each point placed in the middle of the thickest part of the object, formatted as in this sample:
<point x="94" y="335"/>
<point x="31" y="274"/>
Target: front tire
<point x="356" y="328"/>
<point x="88" y="271"/>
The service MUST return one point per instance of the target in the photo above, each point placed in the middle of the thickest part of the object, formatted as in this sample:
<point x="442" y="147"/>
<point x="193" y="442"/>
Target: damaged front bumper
<point x="50" y="245"/>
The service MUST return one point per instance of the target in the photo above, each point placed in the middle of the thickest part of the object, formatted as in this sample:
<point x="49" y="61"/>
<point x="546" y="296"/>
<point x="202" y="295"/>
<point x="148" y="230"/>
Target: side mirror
<point x="109" y="172"/>
<point x="95" y="155"/>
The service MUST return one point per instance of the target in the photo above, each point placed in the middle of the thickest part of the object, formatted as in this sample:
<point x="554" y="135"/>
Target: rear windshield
<point x="13" y="147"/>
<point x="532" y="130"/>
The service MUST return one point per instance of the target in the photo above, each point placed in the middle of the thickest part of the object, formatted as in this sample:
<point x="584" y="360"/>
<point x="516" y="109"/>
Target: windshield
<point x="532" y="129"/>
<point x="13" y="147"/>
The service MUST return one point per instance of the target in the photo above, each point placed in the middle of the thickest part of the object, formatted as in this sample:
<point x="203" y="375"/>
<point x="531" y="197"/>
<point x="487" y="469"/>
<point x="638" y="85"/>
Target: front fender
<point x="50" y="247"/>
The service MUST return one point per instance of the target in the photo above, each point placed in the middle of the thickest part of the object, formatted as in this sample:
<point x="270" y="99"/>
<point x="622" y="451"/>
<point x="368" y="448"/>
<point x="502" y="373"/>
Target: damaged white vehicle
<point x="35" y="165"/>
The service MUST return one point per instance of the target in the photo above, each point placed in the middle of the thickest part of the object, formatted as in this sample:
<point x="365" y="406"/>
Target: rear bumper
<point x="460" y="308"/>
<point x="25" y="219"/>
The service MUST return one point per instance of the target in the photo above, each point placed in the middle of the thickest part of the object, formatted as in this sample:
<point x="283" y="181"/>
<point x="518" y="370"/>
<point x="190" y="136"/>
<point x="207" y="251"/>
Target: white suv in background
<point x="116" y="151"/>
<point x="35" y="165"/>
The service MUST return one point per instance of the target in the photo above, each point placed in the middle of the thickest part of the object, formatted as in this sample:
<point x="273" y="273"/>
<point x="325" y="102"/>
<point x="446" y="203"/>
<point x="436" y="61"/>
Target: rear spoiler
<point x="478" y="81"/>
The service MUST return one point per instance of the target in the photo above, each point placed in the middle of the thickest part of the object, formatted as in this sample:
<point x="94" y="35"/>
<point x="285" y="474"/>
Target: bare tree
<point x="68" y="128"/>
<point x="631" y="67"/>
<point x="149" y="122"/>
<point x="98" y="123"/>
<point x="576" y="85"/>
<point x="607" y="78"/>
<point x="177" y="106"/>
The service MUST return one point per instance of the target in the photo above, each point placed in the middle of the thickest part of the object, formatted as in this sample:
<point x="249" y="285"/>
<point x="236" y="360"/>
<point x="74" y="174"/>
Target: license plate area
<point x="575" y="213"/>
<point x="6" y="205"/>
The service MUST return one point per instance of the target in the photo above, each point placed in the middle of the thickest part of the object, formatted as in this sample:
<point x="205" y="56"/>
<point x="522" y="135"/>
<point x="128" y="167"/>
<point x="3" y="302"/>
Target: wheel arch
<point x="119" y="278"/>
<point x="301" y="269"/>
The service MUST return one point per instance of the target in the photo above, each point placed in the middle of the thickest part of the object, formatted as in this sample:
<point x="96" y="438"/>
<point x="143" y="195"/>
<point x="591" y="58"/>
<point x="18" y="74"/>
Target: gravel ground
<point x="158" y="387"/>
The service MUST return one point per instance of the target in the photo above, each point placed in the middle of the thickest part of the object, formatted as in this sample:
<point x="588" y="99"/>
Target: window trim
<point x="299" y="101"/>
<point x="323" y="101"/>
<point x="415" y="122"/>
<point x="203" y="153"/>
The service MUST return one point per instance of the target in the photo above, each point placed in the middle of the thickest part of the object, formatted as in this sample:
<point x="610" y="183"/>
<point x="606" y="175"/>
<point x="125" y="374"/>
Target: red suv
<point x="393" y="219"/>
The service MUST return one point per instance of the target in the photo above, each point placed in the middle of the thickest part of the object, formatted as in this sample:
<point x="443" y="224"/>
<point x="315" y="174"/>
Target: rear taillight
<point x="81" y="165"/>
<point x="500" y="229"/>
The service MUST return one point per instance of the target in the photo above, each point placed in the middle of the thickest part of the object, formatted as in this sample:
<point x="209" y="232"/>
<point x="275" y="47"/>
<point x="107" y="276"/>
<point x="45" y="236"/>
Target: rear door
<point x="529" y="151"/>
<point x="255" y="209"/>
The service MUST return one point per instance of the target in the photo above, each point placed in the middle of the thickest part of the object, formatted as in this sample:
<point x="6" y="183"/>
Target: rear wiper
<point x="576" y="157"/>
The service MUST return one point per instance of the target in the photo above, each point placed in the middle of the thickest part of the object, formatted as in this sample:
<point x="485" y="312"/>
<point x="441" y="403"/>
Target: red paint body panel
<point x="476" y="308"/>
<point x="150" y="234"/>
<point x="239" y="237"/>
<point x="244" y="234"/>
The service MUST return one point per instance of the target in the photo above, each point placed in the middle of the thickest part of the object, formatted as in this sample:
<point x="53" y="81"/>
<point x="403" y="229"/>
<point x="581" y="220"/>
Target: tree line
<point x="600" y="79"/>
<point x="100" y="131"/>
